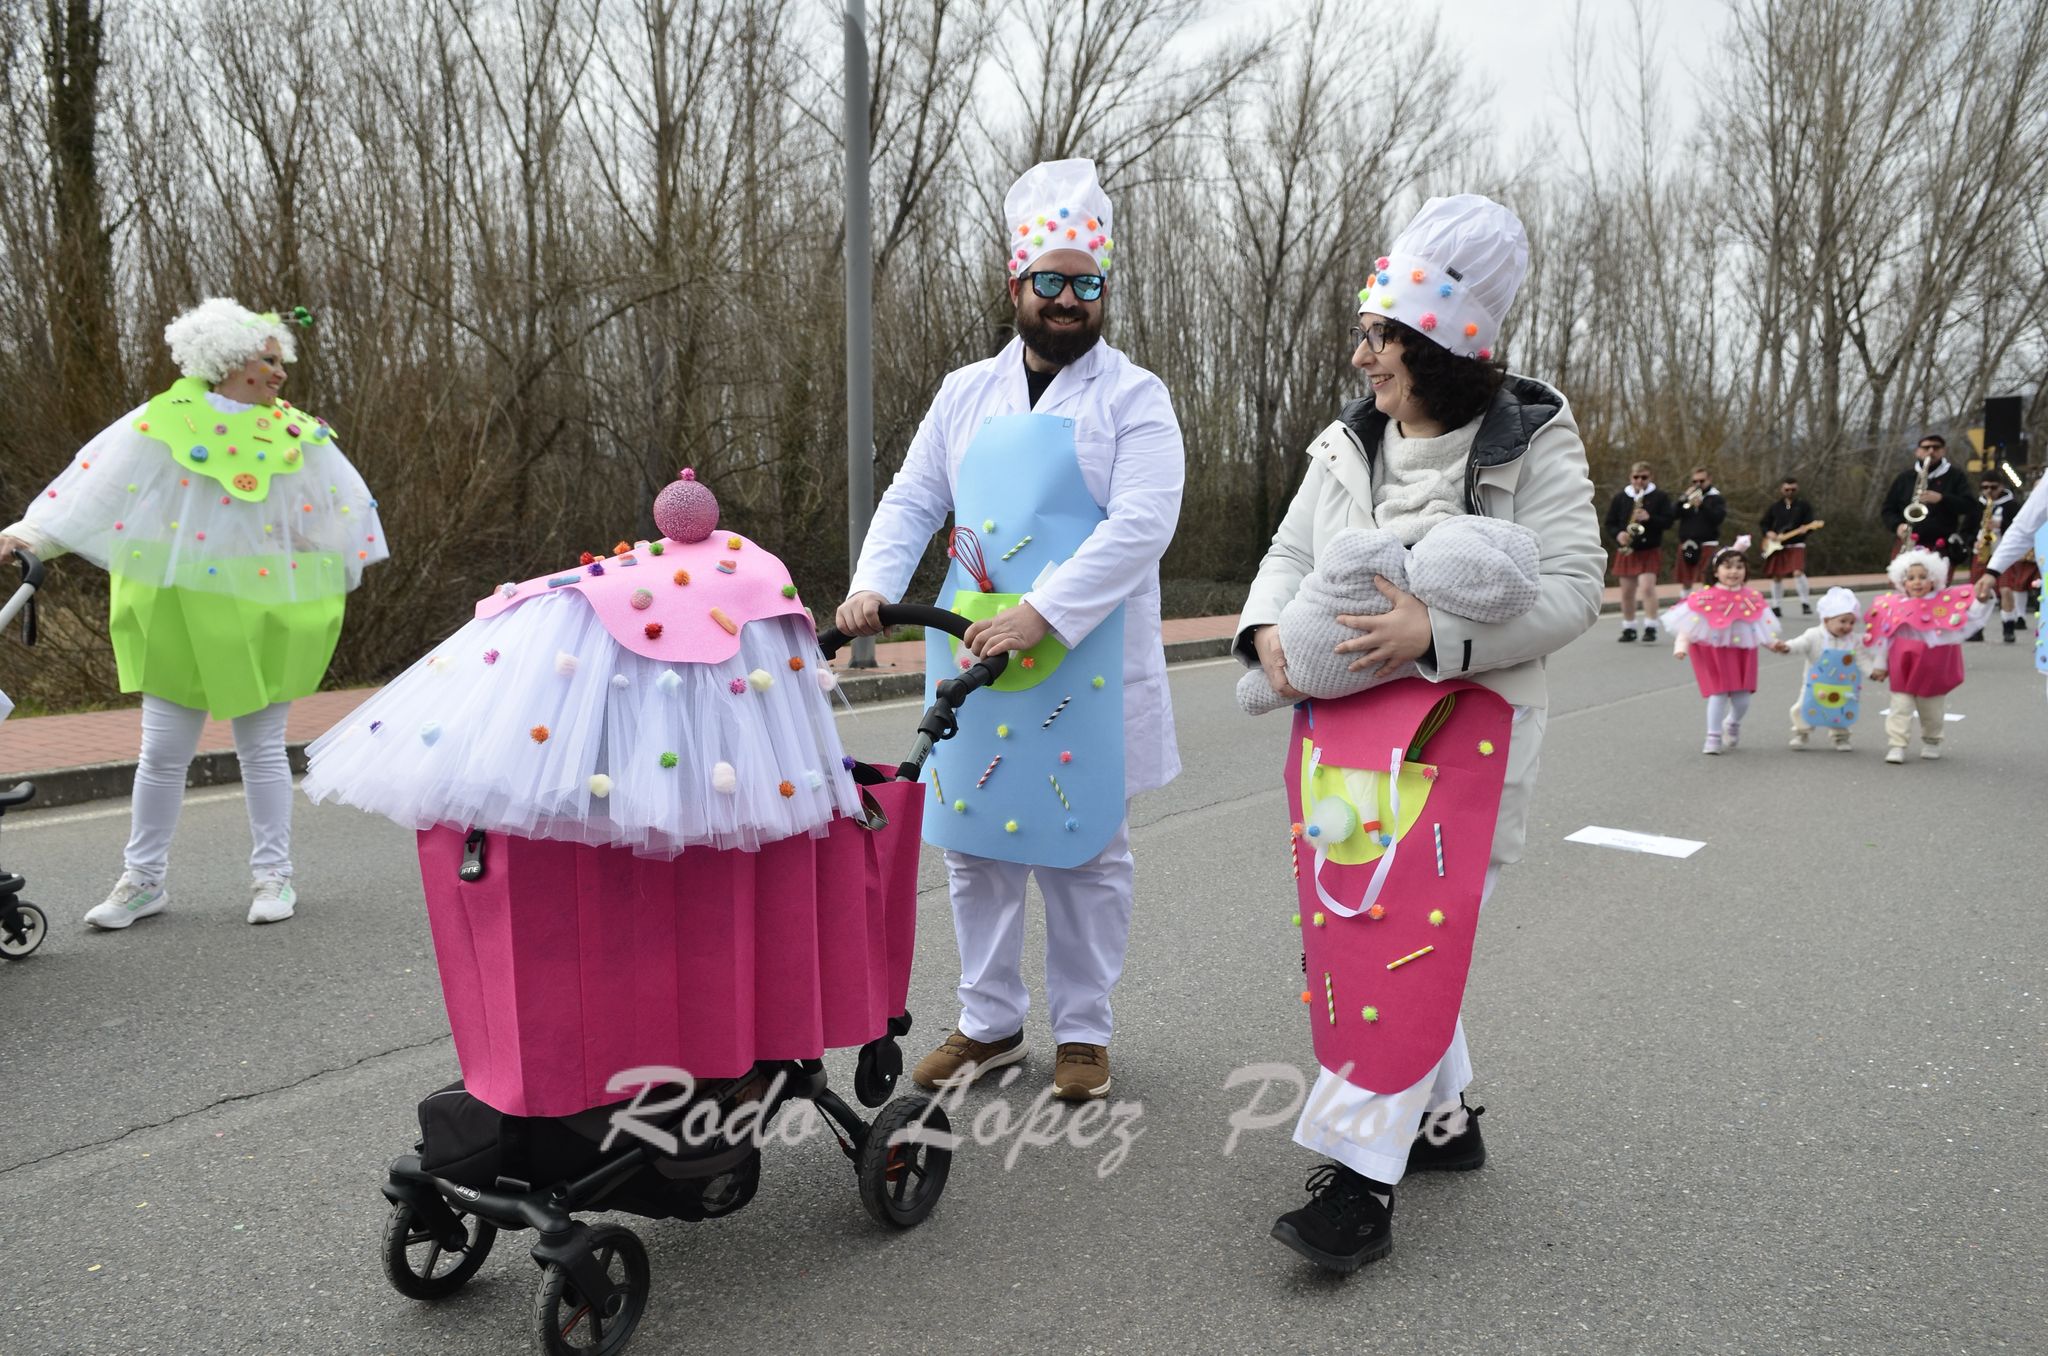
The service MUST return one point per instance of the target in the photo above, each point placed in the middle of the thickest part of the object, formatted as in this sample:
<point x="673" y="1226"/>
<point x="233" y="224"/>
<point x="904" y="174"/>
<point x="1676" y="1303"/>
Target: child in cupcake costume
<point x="1913" y="639"/>
<point x="1720" y="629"/>
<point x="232" y="529"/>
<point x="1831" y="688"/>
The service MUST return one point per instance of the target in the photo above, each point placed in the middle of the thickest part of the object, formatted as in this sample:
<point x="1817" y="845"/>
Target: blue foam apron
<point x="1833" y="691"/>
<point x="1036" y="773"/>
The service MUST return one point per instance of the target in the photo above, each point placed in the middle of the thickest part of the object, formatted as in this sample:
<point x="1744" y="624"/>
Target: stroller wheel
<point x="420" y="1265"/>
<point x="876" y="1070"/>
<point x="22" y="928"/>
<point x="566" y="1324"/>
<point x="900" y="1183"/>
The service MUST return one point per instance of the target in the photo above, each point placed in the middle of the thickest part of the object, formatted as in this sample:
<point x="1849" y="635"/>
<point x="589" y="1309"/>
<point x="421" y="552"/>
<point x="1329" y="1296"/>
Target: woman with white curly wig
<point x="232" y="529"/>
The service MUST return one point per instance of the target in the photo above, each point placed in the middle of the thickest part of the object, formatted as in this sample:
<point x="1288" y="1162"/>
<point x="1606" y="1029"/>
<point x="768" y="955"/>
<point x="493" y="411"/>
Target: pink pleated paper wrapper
<point x="566" y="963"/>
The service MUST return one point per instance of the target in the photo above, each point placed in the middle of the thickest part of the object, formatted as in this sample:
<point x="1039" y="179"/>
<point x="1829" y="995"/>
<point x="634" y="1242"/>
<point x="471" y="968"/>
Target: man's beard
<point x="1061" y="348"/>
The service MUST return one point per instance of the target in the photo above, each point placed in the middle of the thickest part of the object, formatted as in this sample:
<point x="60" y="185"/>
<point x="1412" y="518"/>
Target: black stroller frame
<point x="594" y="1278"/>
<point x="22" y="925"/>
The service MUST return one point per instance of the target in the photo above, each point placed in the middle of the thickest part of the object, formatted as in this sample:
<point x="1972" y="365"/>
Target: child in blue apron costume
<point x="1831" y="688"/>
<point x="1405" y="801"/>
<point x="1060" y="464"/>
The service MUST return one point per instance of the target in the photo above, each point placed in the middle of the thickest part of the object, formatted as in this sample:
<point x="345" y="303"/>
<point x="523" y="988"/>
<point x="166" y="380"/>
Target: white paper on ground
<point x="1630" y="841"/>
<point x="1950" y="715"/>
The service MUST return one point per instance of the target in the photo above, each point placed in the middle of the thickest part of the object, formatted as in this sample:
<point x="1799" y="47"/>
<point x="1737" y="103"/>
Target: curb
<point x="60" y="787"/>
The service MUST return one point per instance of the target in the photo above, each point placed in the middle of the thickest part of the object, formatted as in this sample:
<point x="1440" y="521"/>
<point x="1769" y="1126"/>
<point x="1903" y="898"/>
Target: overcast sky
<point x="1521" y="50"/>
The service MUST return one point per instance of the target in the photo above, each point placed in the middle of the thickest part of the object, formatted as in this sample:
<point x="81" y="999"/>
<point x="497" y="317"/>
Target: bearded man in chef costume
<point x="1060" y="462"/>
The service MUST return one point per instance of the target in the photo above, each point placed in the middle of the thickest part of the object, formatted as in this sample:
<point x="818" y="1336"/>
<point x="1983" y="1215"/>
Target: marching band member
<point x="2012" y="583"/>
<point x="1788" y="561"/>
<point x="1701" y="510"/>
<point x="1636" y="519"/>
<point x="1929" y="506"/>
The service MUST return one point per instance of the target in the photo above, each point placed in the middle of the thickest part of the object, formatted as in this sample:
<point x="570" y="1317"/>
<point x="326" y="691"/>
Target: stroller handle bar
<point x="939" y="719"/>
<point x="31" y="580"/>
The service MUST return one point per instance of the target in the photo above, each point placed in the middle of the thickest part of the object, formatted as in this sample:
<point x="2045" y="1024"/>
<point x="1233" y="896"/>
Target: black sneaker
<point x="1806" y="608"/>
<point x="1628" y="633"/>
<point x="1777" y="612"/>
<point x="1449" y="1141"/>
<point x="1343" y="1226"/>
<point x="1978" y="636"/>
<point x="1649" y="634"/>
<point x="2011" y="632"/>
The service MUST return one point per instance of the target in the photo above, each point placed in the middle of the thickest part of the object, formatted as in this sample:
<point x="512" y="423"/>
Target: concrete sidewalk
<point x="91" y="755"/>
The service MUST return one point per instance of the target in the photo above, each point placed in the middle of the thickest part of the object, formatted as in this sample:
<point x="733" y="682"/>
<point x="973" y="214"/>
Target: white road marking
<point x="1629" y="841"/>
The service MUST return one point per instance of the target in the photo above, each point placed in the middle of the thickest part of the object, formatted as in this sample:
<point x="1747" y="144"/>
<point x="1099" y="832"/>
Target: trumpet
<point x="1915" y="510"/>
<point x="1693" y="498"/>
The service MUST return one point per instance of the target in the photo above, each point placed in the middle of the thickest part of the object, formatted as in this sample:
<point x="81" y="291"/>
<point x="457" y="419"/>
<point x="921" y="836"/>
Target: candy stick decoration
<point x="937" y="790"/>
<point x="1057" y="792"/>
<point x="1018" y="547"/>
<point x="1330" y="997"/>
<point x="1294" y="849"/>
<point x="1412" y="955"/>
<point x="1439" y="829"/>
<point x="985" y="772"/>
<point x="965" y="547"/>
<point x="1056" y="711"/>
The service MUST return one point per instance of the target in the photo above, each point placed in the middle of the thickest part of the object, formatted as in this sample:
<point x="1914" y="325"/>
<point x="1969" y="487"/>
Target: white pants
<point x="1087" y="928"/>
<point x="170" y="737"/>
<point x="1371" y="1132"/>
<point x="1898" y="719"/>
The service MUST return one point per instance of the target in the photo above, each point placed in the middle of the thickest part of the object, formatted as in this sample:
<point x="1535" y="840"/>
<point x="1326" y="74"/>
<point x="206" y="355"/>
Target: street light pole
<point x="860" y="320"/>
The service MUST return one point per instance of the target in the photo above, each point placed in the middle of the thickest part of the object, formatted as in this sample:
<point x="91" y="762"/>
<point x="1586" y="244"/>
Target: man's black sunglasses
<point x="1087" y="286"/>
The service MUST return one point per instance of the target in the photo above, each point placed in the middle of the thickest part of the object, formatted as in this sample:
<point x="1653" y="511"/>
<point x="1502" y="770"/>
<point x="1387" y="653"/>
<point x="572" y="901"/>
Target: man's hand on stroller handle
<point x="861" y="614"/>
<point x="1014" y="628"/>
<point x="9" y="545"/>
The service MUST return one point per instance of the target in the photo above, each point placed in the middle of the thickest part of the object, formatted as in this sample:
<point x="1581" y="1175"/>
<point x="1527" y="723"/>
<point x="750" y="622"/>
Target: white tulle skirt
<point x="537" y="723"/>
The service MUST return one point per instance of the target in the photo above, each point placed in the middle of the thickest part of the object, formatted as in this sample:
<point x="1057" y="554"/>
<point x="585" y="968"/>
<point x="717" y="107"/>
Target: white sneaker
<point x="1842" y="746"/>
<point x="1930" y="751"/>
<point x="273" y="898"/>
<point x="1731" y="733"/>
<point x="130" y="899"/>
<point x="1713" y="744"/>
<point x="1895" y="755"/>
<point x="1798" y="740"/>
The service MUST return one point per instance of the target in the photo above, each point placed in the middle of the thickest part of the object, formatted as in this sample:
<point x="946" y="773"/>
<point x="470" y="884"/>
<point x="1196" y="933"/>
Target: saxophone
<point x="1915" y="510"/>
<point x="1987" y="535"/>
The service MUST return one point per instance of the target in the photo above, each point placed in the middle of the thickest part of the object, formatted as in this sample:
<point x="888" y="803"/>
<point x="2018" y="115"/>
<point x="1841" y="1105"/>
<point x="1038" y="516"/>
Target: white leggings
<point x="170" y="736"/>
<point x="1724" y="706"/>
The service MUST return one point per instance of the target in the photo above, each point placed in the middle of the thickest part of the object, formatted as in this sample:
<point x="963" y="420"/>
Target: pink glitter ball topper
<point x="686" y="510"/>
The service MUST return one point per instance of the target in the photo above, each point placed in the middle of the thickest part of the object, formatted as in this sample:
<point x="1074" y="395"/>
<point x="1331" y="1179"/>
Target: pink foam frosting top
<point x="694" y="596"/>
<point x="1721" y="608"/>
<point x="1948" y="610"/>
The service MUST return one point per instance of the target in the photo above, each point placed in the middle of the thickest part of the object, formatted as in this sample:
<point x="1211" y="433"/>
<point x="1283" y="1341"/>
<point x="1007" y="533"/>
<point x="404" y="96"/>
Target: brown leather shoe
<point x="1081" y="1073"/>
<point x="960" y="1060"/>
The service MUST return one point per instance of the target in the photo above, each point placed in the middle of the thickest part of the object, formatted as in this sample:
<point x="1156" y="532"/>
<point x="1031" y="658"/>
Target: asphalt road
<point x="1783" y="1096"/>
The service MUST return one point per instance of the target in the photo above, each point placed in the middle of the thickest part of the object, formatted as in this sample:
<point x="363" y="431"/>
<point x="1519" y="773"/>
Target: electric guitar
<point x="1775" y="543"/>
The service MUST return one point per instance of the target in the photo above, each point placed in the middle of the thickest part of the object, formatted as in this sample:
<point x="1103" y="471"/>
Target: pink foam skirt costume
<point x="1920" y="640"/>
<point x="640" y="841"/>
<point x="1719" y="630"/>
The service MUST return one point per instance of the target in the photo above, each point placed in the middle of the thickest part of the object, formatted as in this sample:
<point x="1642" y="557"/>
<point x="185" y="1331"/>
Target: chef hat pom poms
<point x="1057" y="205"/>
<point x="1452" y="274"/>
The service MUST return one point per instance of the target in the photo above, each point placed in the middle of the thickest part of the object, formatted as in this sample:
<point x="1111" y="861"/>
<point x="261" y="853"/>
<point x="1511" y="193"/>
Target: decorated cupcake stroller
<point x="22" y="924"/>
<point x="659" y="891"/>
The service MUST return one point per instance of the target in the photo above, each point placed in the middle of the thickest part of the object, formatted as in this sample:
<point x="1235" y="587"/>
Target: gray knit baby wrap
<point x="1482" y="569"/>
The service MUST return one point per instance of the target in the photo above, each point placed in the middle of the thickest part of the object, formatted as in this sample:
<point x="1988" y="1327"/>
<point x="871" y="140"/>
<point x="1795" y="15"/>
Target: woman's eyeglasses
<point x="1087" y="286"/>
<point x="1373" y="336"/>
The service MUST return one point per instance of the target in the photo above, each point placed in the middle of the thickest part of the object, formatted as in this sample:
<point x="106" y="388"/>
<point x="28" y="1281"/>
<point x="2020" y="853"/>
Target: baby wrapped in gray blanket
<point x="1482" y="569"/>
